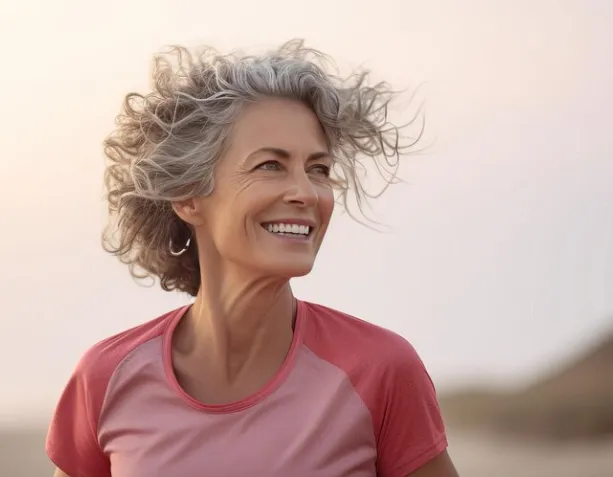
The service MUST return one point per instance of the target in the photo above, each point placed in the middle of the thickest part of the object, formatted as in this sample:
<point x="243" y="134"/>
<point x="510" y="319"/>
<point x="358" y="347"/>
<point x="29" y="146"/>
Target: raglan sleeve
<point x="72" y="442"/>
<point x="411" y="428"/>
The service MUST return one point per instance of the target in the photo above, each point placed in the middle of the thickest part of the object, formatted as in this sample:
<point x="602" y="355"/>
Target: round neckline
<point x="249" y="401"/>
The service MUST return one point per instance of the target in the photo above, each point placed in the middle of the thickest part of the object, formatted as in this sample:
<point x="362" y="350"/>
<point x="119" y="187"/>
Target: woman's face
<point x="272" y="197"/>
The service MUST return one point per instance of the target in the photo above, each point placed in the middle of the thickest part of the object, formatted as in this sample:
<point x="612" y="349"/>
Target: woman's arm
<point x="440" y="466"/>
<point x="72" y="441"/>
<point x="410" y="433"/>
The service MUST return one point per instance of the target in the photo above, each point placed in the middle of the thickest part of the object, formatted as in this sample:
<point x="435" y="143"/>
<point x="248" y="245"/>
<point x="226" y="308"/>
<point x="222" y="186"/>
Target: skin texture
<point x="237" y="334"/>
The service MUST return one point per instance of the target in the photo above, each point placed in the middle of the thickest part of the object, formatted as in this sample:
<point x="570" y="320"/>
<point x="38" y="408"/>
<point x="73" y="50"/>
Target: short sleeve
<point x="411" y="429"/>
<point x="72" y="443"/>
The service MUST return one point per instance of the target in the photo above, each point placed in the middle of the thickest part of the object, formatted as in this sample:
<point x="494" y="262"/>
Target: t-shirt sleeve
<point x="411" y="429"/>
<point x="72" y="442"/>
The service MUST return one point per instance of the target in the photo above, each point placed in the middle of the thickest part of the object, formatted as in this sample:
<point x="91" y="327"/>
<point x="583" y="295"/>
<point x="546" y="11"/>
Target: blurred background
<point x="496" y="260"/>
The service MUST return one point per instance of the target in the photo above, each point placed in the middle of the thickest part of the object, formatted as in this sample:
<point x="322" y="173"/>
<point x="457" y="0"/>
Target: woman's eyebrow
<point x="284" y="154"/>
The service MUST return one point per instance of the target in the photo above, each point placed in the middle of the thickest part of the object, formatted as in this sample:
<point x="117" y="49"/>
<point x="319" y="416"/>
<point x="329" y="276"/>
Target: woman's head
<point x="230" y="151"/>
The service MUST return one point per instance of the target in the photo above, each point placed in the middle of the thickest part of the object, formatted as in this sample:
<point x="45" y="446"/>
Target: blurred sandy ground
<point x="483" y="455"/>
<point x="476" y="455"/>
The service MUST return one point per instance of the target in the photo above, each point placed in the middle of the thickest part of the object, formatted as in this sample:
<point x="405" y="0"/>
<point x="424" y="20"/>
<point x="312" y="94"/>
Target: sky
<point x="496" y="262"/>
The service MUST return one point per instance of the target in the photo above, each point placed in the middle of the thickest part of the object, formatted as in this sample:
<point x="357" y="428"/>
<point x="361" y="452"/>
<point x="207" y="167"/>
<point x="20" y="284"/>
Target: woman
<point x="221" y="184"/>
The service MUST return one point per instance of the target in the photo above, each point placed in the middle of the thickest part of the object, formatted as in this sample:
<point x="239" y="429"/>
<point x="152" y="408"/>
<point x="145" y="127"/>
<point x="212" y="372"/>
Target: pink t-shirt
<point x="351" y="399"/>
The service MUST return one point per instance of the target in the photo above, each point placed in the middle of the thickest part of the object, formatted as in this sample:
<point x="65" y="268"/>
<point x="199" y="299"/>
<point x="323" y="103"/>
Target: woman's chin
<point x="290" y="268"/>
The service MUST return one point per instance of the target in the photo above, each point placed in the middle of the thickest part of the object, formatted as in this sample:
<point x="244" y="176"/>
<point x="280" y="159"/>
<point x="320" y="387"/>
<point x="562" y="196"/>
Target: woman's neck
<point x="238" y="323"/>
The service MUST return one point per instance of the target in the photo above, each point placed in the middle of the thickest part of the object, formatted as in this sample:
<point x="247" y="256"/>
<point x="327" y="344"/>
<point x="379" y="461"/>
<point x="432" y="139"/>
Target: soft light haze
<point x="498" y="260"/>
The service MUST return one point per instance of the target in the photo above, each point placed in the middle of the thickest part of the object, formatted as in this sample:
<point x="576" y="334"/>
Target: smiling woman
<point x="169" y="142"/>
<point x="221" y="184"/>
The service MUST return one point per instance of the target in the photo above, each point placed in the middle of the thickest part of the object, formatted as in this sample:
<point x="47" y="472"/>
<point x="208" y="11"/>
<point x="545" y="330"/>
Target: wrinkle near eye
<point x="242" y="184"/>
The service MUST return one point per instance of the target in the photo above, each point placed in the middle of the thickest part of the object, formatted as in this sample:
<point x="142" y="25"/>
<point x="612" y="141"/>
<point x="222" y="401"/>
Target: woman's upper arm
<point x="72" y="441"/>
<point x="440" y="466"/>
<point x="411" y="434"/>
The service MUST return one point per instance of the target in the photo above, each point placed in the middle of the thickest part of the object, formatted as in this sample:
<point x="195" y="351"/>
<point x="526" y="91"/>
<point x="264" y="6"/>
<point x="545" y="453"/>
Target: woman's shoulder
<point x="100" y="360"/>
<point x="391" y="381"/>
<point x="352" y="340"/>
<point x="72" y="440"/>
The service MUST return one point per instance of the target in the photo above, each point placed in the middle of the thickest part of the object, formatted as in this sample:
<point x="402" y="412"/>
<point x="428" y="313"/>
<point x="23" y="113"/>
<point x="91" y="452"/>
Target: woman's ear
<point x="190" y="210"/>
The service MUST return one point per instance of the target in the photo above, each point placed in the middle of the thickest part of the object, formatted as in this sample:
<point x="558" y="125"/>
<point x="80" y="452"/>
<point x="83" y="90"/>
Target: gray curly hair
<point x="167" y="143"/>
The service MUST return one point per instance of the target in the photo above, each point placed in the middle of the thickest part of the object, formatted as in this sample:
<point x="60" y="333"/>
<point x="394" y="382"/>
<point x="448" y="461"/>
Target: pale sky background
<point x="499" y="258"/>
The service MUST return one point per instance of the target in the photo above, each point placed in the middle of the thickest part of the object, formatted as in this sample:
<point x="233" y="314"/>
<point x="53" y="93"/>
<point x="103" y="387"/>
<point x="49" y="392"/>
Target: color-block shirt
<point x="351" y="400"/>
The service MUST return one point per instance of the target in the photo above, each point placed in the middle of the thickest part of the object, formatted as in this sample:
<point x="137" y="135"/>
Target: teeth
<point x="288" y="229"/>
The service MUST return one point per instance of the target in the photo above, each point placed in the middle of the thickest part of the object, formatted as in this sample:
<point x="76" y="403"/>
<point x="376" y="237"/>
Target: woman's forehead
<point x="278" y="124"/>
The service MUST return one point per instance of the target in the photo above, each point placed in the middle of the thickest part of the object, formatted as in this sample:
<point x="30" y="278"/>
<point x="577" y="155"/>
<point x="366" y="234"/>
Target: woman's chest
<point x="325" y="436"/>
<point x="266" y="453"/>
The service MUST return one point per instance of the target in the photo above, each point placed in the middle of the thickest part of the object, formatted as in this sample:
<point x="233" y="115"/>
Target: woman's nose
<point x="301" y="190"/>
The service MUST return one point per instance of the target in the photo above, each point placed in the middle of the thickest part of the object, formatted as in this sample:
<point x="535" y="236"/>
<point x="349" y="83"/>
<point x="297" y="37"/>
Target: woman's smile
<point x="300" y="231"/>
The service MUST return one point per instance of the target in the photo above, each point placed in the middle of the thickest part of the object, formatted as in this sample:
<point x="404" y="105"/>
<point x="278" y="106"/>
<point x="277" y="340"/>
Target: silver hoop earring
<point x="182" y="251"/>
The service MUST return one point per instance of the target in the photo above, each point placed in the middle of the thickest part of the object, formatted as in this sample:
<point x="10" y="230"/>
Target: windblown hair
<point x="167" y="143"/>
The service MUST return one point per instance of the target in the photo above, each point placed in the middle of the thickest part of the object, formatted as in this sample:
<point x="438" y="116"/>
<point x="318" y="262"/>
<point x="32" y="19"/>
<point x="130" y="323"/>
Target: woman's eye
<point x="270" y="166"/>
<point x="321" y="169"/>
